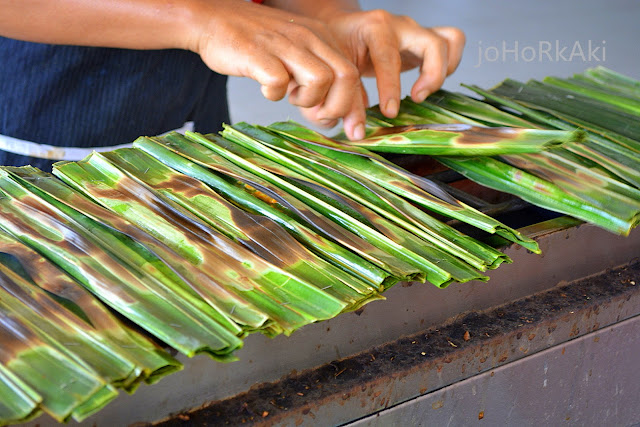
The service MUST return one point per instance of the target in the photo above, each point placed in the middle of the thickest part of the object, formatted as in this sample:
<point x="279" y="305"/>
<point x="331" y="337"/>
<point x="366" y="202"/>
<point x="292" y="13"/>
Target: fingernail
<point x="358" y="132"/>
<point x="391" y="109"/>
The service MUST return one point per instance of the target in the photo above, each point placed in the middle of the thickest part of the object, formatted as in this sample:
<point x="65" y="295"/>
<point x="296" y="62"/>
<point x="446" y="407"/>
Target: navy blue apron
<point x="73" y="96"/>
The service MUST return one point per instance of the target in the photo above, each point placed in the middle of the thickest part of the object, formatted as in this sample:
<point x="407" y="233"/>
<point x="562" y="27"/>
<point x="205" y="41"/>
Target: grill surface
<point x="425" y="362"/>
<point x="509" y="209"/>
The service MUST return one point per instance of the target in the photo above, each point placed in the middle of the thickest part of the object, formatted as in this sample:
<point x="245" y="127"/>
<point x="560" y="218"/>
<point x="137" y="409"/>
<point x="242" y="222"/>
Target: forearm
<point x="314" y="51"/>
<point x="133" y="24"/>
<point x="320" y="9"/>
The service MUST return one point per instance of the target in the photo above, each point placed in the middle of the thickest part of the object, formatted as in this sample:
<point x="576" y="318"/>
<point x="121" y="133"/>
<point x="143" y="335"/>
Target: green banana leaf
<point x="308" y="226"/>
<point x="45" y="229"/>
<point x="434" y="113"/>
<point x="476" y="110"/>
<point x="626" y="103"/>
<point x="69" y="334"/>
<point x="358" y="268"/>
<point x="611" y="80"/>
<point x="605" y="193"/>
<point x="135" y="248"/>
<point x="564" y="169"/>
<point x="414" y="188"/>
<point x="375" y="118"/>
<point x="152" y="363"/>
<point x="257" y="233"/>
<point x="435" y="274"/>
<point x="263" y="291"/>
<point x="501" y="176"/>
<point x="464" y="140"/>
<point x="460" y="271"/>
<point x="330" y="175"/>
<point x="18" y="402"/>
<point x="201" y="240"/>
<point x="560" y="119"/>
<point x="601" y="151"/>
<point x="61" y="383"/>
<point x="574" y="108"/>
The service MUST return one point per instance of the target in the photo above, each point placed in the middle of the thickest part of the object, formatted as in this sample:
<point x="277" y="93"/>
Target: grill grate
<point x="506" y="208"/>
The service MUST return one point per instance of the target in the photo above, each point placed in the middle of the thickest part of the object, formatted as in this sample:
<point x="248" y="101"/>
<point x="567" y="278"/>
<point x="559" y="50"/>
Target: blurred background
<point x="520" y="39"/>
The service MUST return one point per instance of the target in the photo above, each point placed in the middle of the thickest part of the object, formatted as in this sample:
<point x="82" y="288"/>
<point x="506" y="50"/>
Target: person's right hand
<point x="284" y="52"/>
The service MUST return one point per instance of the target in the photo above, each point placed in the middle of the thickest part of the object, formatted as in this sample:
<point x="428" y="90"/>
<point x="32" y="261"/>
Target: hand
<point x="287" y="54"/>
<point x="383" y="45"/>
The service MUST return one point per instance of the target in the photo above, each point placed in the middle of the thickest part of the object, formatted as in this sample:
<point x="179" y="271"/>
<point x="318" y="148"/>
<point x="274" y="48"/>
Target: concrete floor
<point x="612" y="25"/>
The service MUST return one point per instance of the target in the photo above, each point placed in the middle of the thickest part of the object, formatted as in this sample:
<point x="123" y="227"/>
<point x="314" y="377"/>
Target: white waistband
<point x="45" y="151"/>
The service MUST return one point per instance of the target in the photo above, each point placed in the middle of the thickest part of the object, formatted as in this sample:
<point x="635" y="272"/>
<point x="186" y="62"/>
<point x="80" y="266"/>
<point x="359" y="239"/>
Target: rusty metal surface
<point x="388" y="375"/>
<point x="592" y="380"/>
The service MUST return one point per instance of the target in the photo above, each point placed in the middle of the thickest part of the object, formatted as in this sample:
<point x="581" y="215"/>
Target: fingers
<point x="389" y="44"/>
<point x="455" y="43"/>
<point x="441" y="54"/>
<point x="353" y="124"/>
<point x="284" y="69"/>
<point x="311" y="114"/>
<point x="286" y="54"/>
<point x="432" y="50"/>
<point x="387" y="64"/>
<point x="353" y="120"/>
<point x="314" y="74"/>
<point x="343" y="97"/>
<point x="310" y="77"/>
<point x="273" y="78"/>
<point x="318" y="64"/>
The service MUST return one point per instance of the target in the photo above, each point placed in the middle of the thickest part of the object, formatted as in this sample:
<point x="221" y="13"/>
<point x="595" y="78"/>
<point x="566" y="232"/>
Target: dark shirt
<point x="88" y="97"/>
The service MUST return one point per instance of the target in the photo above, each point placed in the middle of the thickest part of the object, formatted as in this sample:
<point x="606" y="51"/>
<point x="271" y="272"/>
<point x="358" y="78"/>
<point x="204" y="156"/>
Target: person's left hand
<point x="382" y="45"/>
